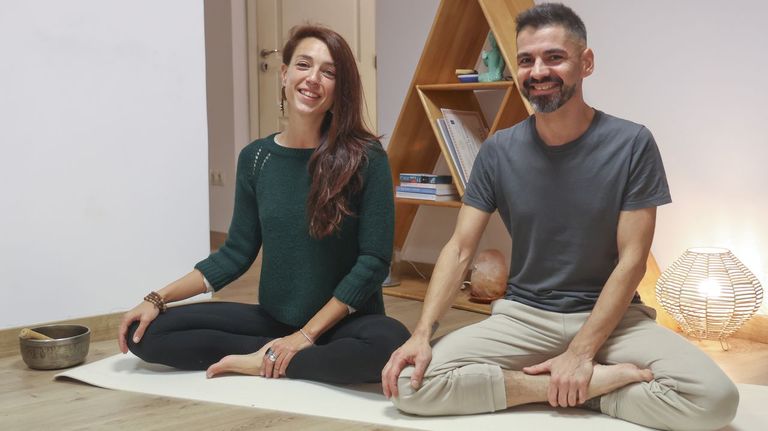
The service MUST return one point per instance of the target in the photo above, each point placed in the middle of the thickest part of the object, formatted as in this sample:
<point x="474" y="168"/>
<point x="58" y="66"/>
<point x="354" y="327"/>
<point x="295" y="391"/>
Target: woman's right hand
<point x="145" y="313"/>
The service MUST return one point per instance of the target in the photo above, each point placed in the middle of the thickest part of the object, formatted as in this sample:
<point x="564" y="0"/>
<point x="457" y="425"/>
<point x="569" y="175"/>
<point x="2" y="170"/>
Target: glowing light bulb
<point x="709" y="288"/>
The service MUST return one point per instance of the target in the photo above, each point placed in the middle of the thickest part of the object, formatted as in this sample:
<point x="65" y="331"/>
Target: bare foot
<point x="243" y="364"/>
<point x="608" y="378"/>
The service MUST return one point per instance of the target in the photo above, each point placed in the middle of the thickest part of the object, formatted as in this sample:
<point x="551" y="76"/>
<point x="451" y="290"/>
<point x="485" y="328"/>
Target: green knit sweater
<point x="299" y="274"/>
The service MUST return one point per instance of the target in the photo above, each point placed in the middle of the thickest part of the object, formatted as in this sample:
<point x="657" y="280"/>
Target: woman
<point x="317" y="198"/>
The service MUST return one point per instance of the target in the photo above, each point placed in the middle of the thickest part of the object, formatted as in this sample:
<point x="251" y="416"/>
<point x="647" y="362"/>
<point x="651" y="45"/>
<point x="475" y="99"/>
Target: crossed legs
<point x="474" y="370"/>
<point x="192" y="337"/>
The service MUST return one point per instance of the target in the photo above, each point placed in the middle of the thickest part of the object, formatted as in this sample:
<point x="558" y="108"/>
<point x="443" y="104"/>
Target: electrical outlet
<point x="215" y="178"/>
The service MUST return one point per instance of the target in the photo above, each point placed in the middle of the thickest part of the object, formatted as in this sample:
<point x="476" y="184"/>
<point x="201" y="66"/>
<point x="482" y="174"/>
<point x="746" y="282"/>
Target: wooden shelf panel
<point x="467" y="86"/>
<point x="416" y="289"/>
<point x="434" y="100"/>
<point x="455" y="41"/>
<point x="450" y="204"/>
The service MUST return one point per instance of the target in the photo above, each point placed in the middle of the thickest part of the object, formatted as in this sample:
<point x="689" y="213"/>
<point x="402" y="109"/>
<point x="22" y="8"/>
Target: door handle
<point x="264" y="53"/>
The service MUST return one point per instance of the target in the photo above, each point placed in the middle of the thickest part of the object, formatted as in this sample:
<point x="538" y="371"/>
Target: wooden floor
<point x="31" y="400"/>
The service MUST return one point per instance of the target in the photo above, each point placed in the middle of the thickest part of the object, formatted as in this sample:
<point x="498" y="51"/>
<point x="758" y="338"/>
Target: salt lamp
<point x="489" y="275"/>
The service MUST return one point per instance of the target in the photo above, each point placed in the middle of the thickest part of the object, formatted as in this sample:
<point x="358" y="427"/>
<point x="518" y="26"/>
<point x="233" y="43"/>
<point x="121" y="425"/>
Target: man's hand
<point x="417" y="352"/>
<point x="570" y="377"/>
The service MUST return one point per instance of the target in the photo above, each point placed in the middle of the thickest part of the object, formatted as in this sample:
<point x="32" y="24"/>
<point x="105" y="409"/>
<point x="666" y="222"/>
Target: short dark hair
<point x="546" y="14"/>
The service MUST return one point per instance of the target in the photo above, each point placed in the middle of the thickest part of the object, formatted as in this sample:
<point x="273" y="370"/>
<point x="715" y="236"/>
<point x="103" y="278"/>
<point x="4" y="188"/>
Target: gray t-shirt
<point x="561" y="205"/>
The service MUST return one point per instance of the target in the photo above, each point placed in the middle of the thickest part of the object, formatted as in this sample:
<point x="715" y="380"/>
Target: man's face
<point x="551" y="65"/>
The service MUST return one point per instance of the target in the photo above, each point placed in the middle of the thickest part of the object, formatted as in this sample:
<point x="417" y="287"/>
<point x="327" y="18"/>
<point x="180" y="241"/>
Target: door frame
<point x="253" y="9"/>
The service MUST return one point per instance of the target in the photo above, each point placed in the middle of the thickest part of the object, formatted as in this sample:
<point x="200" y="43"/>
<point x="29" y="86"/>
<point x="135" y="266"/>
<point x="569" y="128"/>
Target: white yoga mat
<point x="363" y="403"/>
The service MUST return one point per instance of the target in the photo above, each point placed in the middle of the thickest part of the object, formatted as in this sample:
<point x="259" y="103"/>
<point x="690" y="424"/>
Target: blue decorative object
<point x="494" y="61"/>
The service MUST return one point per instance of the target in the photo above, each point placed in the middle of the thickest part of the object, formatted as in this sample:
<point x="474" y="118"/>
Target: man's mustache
<point x="530" y="81"/>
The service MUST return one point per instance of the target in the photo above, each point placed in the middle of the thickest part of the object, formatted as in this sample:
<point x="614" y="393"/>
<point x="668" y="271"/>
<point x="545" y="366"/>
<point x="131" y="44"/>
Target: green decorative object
<point x="493" y="61"/>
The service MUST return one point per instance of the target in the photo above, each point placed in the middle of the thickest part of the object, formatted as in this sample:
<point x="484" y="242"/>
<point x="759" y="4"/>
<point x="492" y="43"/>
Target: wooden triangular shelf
<point x="455" y="42"/>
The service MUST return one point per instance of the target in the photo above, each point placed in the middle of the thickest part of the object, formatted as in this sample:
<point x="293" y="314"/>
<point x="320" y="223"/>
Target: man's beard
<point x="550" y="102"/>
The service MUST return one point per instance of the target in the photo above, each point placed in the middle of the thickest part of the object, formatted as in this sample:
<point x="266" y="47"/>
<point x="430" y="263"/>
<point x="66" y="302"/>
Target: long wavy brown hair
<point x="335" y="165"/>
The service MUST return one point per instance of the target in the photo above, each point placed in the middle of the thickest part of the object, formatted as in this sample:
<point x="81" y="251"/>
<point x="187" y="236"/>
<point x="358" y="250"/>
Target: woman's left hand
<point x="283" y="350"/>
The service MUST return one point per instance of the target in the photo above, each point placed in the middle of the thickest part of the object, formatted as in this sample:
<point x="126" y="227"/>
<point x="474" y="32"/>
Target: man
<point x="578" y="191"/>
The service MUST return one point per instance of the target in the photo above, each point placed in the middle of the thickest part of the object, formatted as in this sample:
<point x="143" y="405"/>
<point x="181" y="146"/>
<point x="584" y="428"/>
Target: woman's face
<point x="310" y="78"/>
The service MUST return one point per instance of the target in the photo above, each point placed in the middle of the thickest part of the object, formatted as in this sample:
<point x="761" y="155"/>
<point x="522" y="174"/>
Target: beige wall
<point x="227" y="95"/>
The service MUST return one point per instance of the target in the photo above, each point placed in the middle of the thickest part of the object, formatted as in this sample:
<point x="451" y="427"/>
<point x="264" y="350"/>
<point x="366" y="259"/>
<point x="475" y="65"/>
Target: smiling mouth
<point x="309" y="94"/>
<point x="545" y="85"/>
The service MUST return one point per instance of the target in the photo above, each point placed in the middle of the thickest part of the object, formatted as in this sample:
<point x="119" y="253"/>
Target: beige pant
<point x="689" y="390"/>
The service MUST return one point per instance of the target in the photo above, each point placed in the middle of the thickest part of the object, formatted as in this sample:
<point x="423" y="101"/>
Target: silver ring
<point x="271" y="355"/>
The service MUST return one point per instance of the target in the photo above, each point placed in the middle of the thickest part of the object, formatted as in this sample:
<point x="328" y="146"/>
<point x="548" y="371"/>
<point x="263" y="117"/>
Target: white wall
<point x="692" y="71"/>
<point x="104" y="143"/>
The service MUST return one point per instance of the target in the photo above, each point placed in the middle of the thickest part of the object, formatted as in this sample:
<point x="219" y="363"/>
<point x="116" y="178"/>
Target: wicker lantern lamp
<point x="710" y="293"/>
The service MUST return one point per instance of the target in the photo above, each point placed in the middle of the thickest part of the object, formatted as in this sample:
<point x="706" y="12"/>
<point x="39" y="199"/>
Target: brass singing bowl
<point x="68" y="347"/>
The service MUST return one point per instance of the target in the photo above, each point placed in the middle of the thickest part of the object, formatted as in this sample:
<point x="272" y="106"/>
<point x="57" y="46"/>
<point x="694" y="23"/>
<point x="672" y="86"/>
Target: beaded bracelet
<point x="155" y="299"/>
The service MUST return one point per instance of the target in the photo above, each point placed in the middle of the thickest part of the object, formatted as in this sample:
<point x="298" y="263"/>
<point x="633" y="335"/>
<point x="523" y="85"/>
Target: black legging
<point x="192" y="337"/>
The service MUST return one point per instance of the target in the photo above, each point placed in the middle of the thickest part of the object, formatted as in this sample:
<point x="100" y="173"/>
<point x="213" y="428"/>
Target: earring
<point x="282" y="101"/>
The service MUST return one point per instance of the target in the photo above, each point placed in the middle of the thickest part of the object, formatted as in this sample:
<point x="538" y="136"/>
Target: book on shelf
<point x="470" y="77"/>
<point x="453" y="157"/>
<point x="425" y="178"/>
<point x="427" y="190"/>
<point x="426" y="196"/>
<point x="438" y="187"/>
<point x="467" y="132"/>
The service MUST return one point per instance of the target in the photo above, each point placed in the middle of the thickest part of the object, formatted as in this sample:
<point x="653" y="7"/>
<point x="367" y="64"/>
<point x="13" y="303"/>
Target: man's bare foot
<point x="608" y="378"/>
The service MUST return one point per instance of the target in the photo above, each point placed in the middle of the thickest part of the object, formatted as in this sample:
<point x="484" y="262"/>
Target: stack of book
<point x="467" y="75"/>
<point x="427" y="187"/>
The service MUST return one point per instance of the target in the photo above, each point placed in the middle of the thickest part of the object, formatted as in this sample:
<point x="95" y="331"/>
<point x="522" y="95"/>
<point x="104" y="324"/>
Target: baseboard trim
<point x="103" y="327"/>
